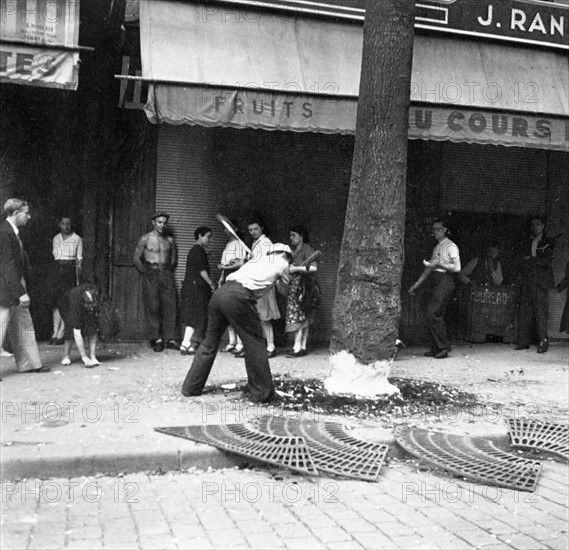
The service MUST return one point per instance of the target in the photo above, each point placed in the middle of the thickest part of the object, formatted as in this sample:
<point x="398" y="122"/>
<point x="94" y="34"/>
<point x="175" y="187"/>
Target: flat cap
<point x="279" y="248"/>
<point x="161" y="214"/>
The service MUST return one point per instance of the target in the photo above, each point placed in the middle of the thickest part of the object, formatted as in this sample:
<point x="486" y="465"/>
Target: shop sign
<point x="492" y="297"/>
<point x="39" y="67"/>
<point x="38" y="42"/>
<point x="541" y="23"/>
<point x="274" y="111"/>
<point x="485" y="126"/>
<point x="133" y="93"/>
<point x="250" y="109"/>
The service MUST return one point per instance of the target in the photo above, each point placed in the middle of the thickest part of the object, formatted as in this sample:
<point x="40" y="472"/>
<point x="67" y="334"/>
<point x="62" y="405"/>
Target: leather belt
<point x="159" y="267"/>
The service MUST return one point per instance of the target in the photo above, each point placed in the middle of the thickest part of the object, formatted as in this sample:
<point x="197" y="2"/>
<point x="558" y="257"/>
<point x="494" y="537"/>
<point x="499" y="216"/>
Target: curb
<point x="200" y="457"/>
<point x="196" y="456"/>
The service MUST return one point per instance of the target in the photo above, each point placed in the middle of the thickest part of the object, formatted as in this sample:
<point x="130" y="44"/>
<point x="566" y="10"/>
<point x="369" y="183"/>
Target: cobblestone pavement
<point x="406" y="508"/>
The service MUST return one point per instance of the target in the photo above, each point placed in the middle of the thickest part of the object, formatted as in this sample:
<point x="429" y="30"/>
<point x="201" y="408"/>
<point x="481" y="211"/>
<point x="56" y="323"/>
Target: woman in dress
<point x="196" y="292"/>
<point x="232" y="258"/>
<point x="266" y="304"/>
<point x="67" y="250"/>
<point x="301" y="297"/>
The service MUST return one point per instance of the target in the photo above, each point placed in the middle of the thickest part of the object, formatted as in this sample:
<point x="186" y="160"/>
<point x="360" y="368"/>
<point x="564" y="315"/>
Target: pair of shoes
<point x="59" y="342"/>
<point x="442" y="354"/>
<point x="172" y="344"/>
<point x="271" y="354"/>
<point x="299" y="353"/>
<point x="430" y="353"/>
<point x="521" y="346"/>
<point x="40" y="370"/>
<point x="187" y="350"/>
<point x="158" y="346"/>
<point x="543" y="346"/>
<point x="65" y="361"/>
<point x="229" y="348"/>
<point x="237" y="350"/>
<point x="239" y="354"/>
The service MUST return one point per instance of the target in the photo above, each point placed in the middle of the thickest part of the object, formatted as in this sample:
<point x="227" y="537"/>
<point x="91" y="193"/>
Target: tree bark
<point x="367" y="306"/>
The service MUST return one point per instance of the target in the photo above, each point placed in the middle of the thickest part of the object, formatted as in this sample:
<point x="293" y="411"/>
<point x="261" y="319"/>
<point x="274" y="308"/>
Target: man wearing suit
<point x="537" y="279"/>
<point x="15" y="319"/>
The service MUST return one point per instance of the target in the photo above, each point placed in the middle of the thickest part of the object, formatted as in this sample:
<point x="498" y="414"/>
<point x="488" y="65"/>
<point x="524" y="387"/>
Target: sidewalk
<point x="78" y="422"/>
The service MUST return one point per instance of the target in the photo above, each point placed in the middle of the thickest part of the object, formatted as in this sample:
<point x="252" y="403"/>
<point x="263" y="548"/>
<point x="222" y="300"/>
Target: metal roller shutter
<point x="186" y="188"/>
<point x="493" y="179"/>
<point x="288" y="177"/>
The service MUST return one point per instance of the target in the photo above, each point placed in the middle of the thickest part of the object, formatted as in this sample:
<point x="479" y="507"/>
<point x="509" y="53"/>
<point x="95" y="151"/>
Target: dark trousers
<point x="441" y="293"/>
<point x="232" y="304"/>
<point x="159" y="293"/>
<point x="534" y="311"/>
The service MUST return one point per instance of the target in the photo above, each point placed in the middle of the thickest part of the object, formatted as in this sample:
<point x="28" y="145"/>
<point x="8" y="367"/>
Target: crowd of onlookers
<point x="75" y="300"/>
<point x="536" y="279"/>
<point x="155" y="258"/>
<point x="248" y="284"/>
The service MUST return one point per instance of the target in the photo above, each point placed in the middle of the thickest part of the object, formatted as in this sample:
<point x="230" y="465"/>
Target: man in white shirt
<point x="67" y="250"/>
<point x="444" y="261"/>
<point x="235" y="303"/>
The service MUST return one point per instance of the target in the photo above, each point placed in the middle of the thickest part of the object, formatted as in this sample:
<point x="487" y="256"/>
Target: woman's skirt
<point x="298" y="316"/>
<point x="62" y="277"/>
<point x="193" y="308"/>
<point x="267" y="306"/>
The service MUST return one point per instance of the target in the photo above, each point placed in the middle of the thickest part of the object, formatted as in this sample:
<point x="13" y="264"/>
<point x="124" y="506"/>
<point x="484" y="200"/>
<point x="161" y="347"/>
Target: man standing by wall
<point x="155" y="258"/>
<point x="444" y="261"/>
<point x="15" y="318"/>
<point x="537" y="279"/>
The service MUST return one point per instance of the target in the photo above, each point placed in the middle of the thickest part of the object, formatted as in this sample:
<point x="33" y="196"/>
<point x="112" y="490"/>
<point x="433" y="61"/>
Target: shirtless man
<point x="155" y="258"/>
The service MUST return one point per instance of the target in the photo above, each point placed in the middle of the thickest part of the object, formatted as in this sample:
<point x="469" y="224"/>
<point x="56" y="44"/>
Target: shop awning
<point x="260" y="69"/>
<point x="39" y="43"/>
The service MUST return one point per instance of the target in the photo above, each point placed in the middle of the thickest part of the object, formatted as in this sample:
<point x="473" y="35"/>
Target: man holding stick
<point x="235" y="303"/>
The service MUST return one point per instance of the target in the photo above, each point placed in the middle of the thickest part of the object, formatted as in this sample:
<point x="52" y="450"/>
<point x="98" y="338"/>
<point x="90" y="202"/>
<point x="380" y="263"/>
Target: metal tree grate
<point x="288" y="452"/>
<point x="333" y="450"/>
<point x="470" y="457"/>
<point x="543" y="436"/>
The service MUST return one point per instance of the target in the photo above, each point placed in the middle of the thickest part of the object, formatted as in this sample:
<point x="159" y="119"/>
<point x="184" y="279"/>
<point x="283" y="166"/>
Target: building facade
<point x="253" y="108"/>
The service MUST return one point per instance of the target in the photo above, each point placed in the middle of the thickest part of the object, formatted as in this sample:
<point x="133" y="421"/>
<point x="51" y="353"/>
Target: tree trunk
<point x="367" y="306"/>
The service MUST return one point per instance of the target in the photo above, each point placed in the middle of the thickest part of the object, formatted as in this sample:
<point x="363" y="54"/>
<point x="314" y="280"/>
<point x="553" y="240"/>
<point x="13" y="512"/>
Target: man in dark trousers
<point x="15" y="318"/>
<point x="235" y="304"/>
<point x="155" y="258"/>
<point x="444" y="262"/>
<point x="537" y="279"/>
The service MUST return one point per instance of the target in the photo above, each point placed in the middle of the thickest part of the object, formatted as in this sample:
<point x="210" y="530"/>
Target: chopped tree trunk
<point x="367" y="306"/>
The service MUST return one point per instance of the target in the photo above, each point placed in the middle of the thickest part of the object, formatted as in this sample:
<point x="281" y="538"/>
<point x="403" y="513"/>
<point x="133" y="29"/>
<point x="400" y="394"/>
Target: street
<point x="267" y="508"/>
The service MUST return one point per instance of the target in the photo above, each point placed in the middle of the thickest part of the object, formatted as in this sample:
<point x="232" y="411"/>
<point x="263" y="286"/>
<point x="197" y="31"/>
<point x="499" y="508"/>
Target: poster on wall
<point x="39" y="42"/>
